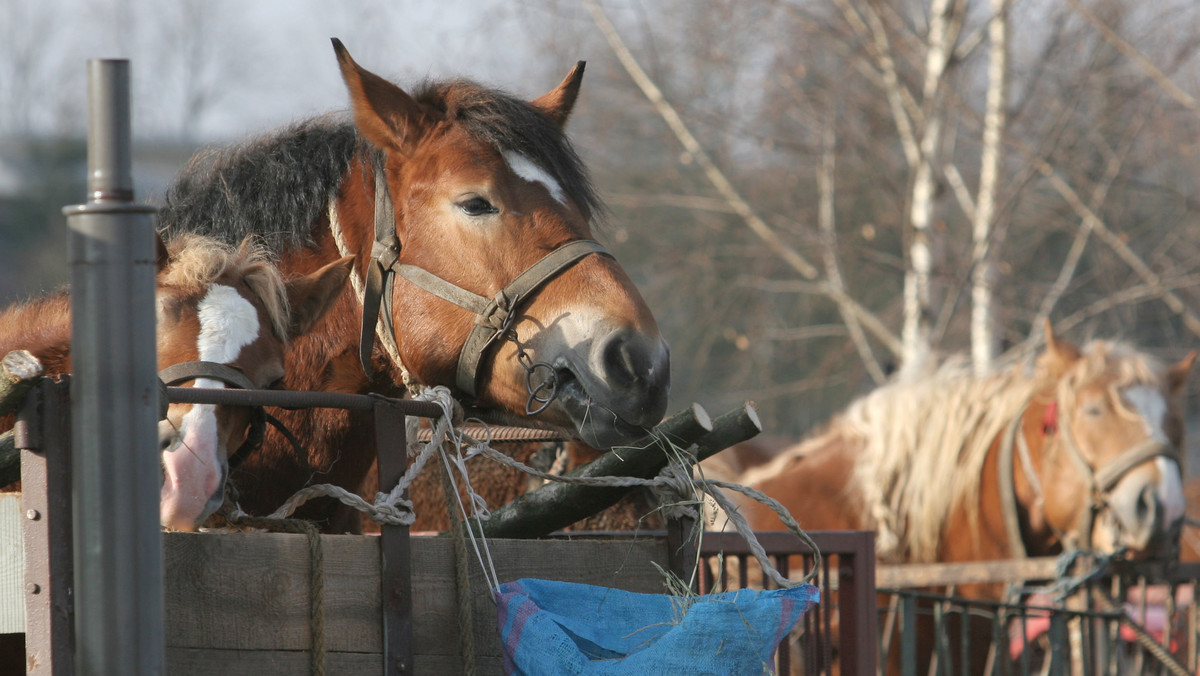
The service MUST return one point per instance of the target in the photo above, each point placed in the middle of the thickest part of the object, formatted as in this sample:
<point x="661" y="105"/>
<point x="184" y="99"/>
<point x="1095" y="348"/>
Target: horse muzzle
<point x="194" y="476"/>
<point x="1145" y="509"/>
<point x="617" y="390"/>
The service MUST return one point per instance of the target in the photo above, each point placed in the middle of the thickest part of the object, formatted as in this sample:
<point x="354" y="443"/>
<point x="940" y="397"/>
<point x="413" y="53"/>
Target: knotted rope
<point x="676" y="477"/>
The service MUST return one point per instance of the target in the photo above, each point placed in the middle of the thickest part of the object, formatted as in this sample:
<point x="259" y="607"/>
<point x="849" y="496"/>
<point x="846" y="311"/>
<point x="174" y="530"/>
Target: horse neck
<point x="985" y="535"/>
<point x="43" y="327"/>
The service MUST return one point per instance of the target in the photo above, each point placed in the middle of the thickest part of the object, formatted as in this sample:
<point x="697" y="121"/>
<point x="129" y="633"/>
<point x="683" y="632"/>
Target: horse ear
<point x="162" y="258"/>
<point x="558" y="102"/>
<point x="383" y="112"/>
<point x="1177" y="375"/>
<point x="1059" y="354"/>
<point x="310" y="296"/>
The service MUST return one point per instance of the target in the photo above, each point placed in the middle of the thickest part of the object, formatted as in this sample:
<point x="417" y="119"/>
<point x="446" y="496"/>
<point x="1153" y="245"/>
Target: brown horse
<point x="225" y="306"/>
<point x="1083" y="452"/>
<point x="478" y="204"/>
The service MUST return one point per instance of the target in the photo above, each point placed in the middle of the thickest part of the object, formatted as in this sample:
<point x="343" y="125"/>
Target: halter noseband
<point x="493" y="317"/>
<point x="191" y="370"/>
<point x="1098" y="481"/>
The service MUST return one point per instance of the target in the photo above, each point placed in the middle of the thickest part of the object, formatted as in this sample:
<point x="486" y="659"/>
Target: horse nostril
<point x="629" y="359"/>
<point x="167" y="436"/>
<point x="1147" y="507"/>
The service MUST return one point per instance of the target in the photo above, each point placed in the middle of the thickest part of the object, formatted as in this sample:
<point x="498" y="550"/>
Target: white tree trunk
<point x="918" y="298"/>
<point x="984" y="344"/>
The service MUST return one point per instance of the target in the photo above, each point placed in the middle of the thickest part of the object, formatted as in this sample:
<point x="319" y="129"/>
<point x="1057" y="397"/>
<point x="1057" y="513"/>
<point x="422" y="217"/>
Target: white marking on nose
<point x="1151" y="405"/>
<point x="1170" y="491"/>
<point x="525" y="168"/>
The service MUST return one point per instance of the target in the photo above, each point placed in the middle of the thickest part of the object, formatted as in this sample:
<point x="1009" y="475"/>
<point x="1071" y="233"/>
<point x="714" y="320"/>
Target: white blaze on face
<point x="193" y="470"/>
<point x="1152" y="407"/>
<point x="522" y="166"/>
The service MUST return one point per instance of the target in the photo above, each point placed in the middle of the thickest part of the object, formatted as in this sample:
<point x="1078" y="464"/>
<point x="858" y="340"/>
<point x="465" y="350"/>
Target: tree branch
<point x="714" y="175"/>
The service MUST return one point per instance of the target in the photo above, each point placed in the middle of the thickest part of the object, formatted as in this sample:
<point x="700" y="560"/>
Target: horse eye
<point x="477" y="206"/>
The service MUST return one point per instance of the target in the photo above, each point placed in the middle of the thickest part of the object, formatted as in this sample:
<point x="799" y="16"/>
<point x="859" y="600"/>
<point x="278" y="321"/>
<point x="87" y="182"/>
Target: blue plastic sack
<point x="559" y="628"/>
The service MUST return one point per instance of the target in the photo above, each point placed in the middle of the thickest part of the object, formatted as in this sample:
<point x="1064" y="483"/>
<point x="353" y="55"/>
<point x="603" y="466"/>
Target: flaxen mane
<point x="197" y="261"/>
<point x="923" y="444"/>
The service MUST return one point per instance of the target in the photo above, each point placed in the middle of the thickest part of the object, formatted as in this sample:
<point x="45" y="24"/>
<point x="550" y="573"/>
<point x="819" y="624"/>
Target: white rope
<point x="708" y="486"/>
<point x="390" y="508"/>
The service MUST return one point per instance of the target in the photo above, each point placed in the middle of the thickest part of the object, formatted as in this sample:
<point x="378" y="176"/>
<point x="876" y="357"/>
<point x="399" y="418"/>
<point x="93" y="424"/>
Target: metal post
<point x="118" y="547"/>
<point x="43" y="433"/>
<point x="391" y="444"/>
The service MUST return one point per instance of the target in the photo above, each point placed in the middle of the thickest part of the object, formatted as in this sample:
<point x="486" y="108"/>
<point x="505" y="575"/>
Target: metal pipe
<point x="299" y="399"/>
<point x="118" y="548"/>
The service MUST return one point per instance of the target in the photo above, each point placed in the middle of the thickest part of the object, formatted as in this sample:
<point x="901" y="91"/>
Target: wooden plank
<point x="201" y="662"/>
<point x="12" y="566"/>
<point x="247" y="593"/>
<point x="250" y="591"/>
<point x="976" y="572"/>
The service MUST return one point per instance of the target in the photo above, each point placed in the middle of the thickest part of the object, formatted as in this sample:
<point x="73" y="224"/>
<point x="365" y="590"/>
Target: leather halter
<point x="191" y="370"/>
<point x="1098" y="482"/>
<point x="493" y="317"/>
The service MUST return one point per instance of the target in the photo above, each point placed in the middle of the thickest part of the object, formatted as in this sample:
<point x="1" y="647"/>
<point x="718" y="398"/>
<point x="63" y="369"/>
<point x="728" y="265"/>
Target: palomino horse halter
<point x="1098" y="482"/>
<point x="493" y="317"/>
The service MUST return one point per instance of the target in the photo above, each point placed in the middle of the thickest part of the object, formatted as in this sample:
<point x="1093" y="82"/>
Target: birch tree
<point x="983" y="260"/>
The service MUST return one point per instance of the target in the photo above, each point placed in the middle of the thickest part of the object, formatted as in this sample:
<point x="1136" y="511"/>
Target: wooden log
<point x="557" y="505"/>
<point x="728" y="429"/>
<point x="10" y="459"/>
<point x="18" y="370"/>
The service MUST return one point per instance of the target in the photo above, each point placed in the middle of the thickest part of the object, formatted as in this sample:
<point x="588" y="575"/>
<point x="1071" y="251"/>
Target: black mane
<point x="278" y="186"/>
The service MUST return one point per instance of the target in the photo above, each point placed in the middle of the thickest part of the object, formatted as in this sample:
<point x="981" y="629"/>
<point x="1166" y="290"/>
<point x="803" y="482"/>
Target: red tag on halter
<point x="1050" y="419"/>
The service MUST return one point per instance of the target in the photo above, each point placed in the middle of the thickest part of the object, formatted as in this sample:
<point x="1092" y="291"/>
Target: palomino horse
<point x="224" y="317"/>
<point x="468" y="214"/>
<point x="1083" y="452"/>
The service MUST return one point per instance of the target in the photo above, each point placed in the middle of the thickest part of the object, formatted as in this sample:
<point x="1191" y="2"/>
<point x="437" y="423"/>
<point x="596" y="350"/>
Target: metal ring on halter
<point x="549" y="384"/>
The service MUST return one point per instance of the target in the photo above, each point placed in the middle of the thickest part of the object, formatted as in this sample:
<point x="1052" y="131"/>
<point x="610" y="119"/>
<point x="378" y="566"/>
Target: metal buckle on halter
<point x="386" y="251"/>
<point x="499" y="316"/>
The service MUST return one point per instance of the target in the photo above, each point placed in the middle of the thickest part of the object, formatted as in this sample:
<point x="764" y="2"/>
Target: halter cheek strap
<point x="1098" y="482"/>
<point x="377" y="293"/>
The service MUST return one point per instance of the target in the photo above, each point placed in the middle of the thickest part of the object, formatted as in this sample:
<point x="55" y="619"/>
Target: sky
<point x="221" y="69"/>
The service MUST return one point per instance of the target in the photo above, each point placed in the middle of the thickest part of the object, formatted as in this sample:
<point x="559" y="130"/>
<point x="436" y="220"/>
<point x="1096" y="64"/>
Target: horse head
<point x="226" y="316"/>
<point x="500" y="293"/>
<point x="1108" y="422"/>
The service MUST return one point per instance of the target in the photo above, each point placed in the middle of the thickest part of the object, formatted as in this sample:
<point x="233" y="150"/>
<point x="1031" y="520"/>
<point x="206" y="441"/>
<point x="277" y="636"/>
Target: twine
<point x="670" y="478"/>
